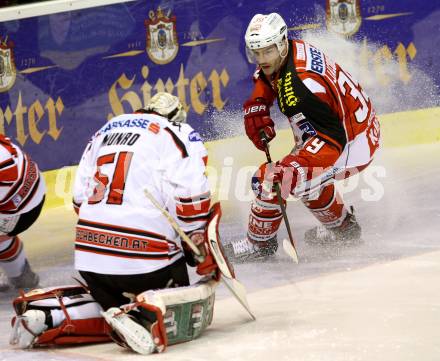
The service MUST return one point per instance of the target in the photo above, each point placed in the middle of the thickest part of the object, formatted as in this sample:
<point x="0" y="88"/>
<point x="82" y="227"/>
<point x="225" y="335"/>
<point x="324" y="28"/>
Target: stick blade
<point x="239" y="292"/>
<point x="290" y="250"/>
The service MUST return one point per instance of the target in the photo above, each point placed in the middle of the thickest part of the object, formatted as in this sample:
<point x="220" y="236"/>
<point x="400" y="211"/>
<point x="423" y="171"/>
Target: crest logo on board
<point x="344" y="16"/>
<point x="162" y="42"/>
<point x="8" y="71"/>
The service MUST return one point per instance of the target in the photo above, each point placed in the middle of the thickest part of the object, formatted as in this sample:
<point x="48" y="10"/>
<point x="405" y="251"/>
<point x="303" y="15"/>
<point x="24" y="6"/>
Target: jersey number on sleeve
<point x="315" y="146"/>
<point x="117" y="185"/>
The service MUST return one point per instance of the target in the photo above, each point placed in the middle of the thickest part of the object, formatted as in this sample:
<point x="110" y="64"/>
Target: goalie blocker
<point x="155" y="319"/>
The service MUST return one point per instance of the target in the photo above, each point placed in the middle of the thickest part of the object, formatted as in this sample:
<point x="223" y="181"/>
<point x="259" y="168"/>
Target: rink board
<point x="69" y="66"/>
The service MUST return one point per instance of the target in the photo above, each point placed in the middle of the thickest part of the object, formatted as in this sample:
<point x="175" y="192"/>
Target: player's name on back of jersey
<point x="120" y="139"/>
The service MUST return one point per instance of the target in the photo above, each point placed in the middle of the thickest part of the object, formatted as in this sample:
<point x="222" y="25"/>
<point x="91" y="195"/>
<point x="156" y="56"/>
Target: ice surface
<point x="377" y="301"/>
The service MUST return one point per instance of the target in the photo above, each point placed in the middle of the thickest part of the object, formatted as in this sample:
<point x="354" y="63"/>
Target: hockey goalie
<point x="137" y="289"/>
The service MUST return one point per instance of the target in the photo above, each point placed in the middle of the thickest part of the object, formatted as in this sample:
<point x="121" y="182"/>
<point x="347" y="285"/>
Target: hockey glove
<point x="208" y="264"/>
<point x="189" y="255"/>
<point x="257" y="119"/>
<point x="269" y="174"/>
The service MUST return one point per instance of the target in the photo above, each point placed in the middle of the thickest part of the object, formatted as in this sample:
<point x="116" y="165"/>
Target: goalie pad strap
<point x="158" y="330"/>
<point x="90" y="330"/>
<point x="46" y="297"/>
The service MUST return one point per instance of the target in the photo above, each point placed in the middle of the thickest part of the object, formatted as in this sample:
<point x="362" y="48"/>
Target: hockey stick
<point x="174" y="224"/>
<point x="235" y="287"/>
<point x="289" y="247"/>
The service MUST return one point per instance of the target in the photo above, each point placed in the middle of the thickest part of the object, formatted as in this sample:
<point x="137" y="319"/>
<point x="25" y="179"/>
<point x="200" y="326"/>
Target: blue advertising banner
<point x="63" y="75"/>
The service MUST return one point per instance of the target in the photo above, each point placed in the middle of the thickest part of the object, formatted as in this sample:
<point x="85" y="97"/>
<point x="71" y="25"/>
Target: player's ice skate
<point x="137" y="337"/>
<point x="26" y="280"/>
<point x="243" y="250"/>
<point x="27" y="328"/>
<point x="348" y="233"/>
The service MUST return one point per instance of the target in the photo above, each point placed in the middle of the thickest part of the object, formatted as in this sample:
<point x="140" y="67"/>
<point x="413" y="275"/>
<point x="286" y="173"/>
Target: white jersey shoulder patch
<point x="315" y="60"/>
<point x="189" y="137"/>
<point x="300" y="51"/>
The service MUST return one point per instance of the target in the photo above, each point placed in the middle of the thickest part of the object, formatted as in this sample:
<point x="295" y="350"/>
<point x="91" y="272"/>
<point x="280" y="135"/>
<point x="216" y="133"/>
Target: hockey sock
<point x="12" y="257"/>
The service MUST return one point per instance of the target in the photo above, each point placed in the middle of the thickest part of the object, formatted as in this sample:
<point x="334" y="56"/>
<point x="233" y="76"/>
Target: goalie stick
<point x="228" y="278"/>
<point x="174" y="224"/>
<point x="234" y="286"/>
<point x="289" y="247"/>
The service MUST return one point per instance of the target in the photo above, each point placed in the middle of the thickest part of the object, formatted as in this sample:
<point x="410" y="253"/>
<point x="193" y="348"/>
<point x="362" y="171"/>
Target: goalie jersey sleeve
<point x="119" y="230"/>
<point x="185" y="182"/>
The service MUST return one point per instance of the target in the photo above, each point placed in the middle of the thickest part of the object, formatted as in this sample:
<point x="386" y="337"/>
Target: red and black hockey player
<point x="22" y="192"/>
<point x="335" y="128"/>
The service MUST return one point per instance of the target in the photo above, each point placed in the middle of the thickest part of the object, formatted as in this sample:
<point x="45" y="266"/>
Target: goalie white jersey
<point x="119" y="230"/>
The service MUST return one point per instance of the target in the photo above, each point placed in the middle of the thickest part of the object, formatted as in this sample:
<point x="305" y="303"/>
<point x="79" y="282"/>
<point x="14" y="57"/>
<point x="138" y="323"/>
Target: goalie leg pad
<point x="164" y="317"/>
<point x="186" y="311"/>
<point x="71" y="316"/>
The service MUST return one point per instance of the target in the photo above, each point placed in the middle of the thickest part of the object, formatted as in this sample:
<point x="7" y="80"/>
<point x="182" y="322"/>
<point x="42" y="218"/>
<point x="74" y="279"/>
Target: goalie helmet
<point x="264" y="31"/>
<point x="168" y="106"/>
